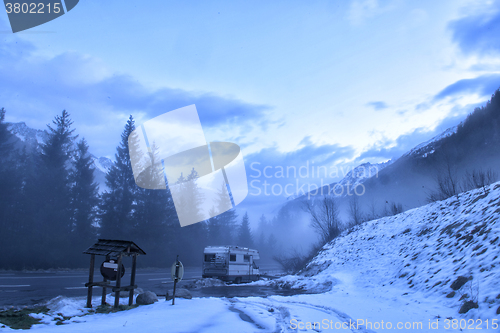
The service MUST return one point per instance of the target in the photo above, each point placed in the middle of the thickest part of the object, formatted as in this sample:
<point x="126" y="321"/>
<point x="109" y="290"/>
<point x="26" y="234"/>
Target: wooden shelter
<point x="113" y="249"/>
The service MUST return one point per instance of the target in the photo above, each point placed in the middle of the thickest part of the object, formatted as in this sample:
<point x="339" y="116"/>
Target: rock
<point x="451" y="295"/>
<point x="498" y="310"/>
<point x="467" y="306"/>
<point x="146" y="298"/>
<point x="459" y="282"/>
<point x="179" y="293"/>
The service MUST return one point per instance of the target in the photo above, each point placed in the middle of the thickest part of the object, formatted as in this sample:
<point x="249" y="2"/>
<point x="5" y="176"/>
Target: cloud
<point x="286" y="173"/>
<point x="361" y="10"/>
<point x="393" y="149"/>
<point x="377" y="105"/>
<point x="478" y="33"/>
<point x="484" y="85"/>
<point x="34" y="89"/>
<point x="327" y="154"/>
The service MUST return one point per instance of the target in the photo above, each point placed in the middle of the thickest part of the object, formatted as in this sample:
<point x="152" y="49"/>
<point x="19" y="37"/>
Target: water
<point x="242" y="291"/>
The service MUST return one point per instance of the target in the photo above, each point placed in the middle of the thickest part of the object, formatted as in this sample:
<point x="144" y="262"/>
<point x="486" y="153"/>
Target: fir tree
<point x="52" y="220"/>
<point x="84" y="196"/>
<point x="262" y="231"/>
<point x="10" y="193"/>
<point x="154" y="214"/>
<point x="245" y="234"/>
<point x="222" y="226"/>
<point x="119" y="201"/>
<point x="188" y="198"/>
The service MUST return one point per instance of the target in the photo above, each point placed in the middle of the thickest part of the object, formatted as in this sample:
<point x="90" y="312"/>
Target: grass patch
<point x="21" y="319"/>
<point x="110" y="309"/>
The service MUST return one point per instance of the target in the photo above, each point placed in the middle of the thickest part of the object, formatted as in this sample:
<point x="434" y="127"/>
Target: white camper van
<point x="231" y="263"/>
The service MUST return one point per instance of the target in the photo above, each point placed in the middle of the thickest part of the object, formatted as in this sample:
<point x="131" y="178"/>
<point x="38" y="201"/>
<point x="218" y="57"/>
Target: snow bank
<point x="423" y="250"/>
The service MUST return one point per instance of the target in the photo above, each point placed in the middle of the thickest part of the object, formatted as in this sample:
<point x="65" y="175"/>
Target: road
<point x="30" y="288"/>
<point x="20" y="288"/>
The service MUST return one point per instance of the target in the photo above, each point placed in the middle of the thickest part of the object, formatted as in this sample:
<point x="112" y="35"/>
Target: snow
<point x="393" y="271"/>
<point x="102" y="164"/>
<point x="429" y="144"/>
<point x="29" y="136"/>
<point x="363" y="172"/>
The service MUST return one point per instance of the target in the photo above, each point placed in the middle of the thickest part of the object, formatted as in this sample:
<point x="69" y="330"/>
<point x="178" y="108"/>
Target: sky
<point x="324" y="83"/>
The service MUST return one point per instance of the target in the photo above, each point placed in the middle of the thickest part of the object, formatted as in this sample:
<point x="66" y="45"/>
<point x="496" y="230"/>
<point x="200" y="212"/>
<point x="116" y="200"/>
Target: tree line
<point x="477" y="138"/>
<point x="51" y="209"/>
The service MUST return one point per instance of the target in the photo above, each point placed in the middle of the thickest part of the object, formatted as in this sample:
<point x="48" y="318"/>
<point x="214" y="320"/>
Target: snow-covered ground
<point x="394" y="273"/>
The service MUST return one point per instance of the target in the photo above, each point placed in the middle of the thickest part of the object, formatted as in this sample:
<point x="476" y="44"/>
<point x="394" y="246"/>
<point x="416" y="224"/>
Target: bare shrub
<point x="325" y="218"/>
<point x="478" y="178"/>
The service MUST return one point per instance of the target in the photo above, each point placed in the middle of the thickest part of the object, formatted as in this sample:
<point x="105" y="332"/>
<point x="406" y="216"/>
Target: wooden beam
<point x="104" y="280"/>
<point x="91" y="280"/>
<point x="118" y="281"/>
<point x="126" y="288"/>
<point x="98" y="284"/>
<point x="132" y="280"/>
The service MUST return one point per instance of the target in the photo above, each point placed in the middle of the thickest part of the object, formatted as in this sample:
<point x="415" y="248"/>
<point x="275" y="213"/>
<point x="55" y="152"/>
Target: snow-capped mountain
<point x="379" y="173"/>
<point x="102" y="164"/>
<point x="428" y="147"/>
<point x="362" y="172"/>
<point x="33" y="138"/>
<point x="356" y="176"/>
<point x="30" y="137"/>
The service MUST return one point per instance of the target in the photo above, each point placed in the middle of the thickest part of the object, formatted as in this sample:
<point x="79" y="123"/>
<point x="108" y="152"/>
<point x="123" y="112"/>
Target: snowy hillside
<point x="102" y="164"/>
<point x="428" y="147"/>
<point x="29" y="136"/>
<point x="422" y="252"/>
<point x="361" y="173"/>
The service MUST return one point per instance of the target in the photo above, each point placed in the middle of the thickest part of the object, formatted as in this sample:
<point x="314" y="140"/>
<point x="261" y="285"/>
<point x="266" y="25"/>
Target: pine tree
<point x="222" y="226"/>
<point x="154" y="214"/>
<point x="262" y="231"/>
<point x="245" y="235"/>
<point x="119" y="201"/>
<point x="272" y="245"/>
<point x="5" y="176"/>
<point x="5" y="138"/>
<point x="53" y="216"/>
<point x="84" y="197"/>
<point x="11" y="235"/>
<point x="188" y="198"/>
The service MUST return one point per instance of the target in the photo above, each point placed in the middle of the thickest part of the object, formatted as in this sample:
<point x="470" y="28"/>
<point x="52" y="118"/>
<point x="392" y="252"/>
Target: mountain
<point x="411" y="180"/>
<point x="360" y="174"/>
<point x="363" y="172"/>
<point x="446" y="251"/>
<point x="32" y="139"/>
<point x="429" y="147"/>
<point x="354" y="177"/>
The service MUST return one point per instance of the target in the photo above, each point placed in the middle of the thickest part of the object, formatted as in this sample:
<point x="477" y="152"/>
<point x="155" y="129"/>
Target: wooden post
<point x="91" y="280"/>
<point x="103" y="298"/>
<point x="118" y="281"/>
<point x="132" y="280"/>
<point x="175" y="278"/>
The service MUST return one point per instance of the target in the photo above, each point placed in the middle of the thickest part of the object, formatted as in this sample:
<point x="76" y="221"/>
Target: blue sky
<point x="330" y="82"/>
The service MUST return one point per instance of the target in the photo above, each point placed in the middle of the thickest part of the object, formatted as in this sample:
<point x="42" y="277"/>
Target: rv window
<point x="246" y="258"/>
<point x="232" y="257"/>
<point x="210" y="257"/>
